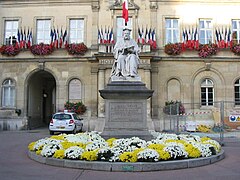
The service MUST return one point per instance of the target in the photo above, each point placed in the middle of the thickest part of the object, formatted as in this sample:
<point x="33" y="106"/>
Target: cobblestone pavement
<point x="15" y="164"/>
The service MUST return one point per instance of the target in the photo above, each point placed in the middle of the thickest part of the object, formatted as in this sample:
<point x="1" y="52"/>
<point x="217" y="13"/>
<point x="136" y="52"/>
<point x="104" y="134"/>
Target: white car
<point x="65" y="122"/>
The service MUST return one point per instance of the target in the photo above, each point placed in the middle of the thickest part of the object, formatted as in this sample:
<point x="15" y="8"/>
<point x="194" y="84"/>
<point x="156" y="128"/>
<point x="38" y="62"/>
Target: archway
<point x="41" y="98"/>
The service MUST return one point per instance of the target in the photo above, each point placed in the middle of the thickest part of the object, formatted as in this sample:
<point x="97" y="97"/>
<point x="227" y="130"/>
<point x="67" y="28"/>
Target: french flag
<point x="125" y="11"/>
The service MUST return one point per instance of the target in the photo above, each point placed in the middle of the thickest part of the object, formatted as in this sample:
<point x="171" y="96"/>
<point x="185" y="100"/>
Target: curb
<point x="129" y="167"/>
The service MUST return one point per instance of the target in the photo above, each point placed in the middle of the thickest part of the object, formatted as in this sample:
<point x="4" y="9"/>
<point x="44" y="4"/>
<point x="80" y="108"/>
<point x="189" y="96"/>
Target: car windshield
<point x="62" y="116"/>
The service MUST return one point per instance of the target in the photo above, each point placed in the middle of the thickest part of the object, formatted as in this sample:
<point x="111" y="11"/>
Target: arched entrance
<point x="41" y="98"/>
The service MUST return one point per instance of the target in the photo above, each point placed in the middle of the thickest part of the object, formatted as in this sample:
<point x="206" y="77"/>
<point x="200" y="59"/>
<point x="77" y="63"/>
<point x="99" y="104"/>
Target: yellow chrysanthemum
<point x="205" y="139"/>
<point x="38" y="152"/>
<point x="31" y="146"/>
<point x="192" y="151"/>
<point x="89" y="155"/>
<point x="58" y="137"/>
<point x="163" y="155"/>
<point x="110" y="141"/>
<point x="156" y="146"/>
<point x="59" y="154"/>
<point x="128" y="157"/>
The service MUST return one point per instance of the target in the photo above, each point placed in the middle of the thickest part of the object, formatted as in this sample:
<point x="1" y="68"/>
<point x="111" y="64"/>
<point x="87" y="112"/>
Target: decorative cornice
<point x="118" y="5"/>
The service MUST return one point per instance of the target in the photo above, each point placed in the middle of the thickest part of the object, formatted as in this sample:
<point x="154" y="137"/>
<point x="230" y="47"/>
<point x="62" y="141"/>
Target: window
<point x="236" y="31"/>
<point x="237" y="92"/>
<point x="121" y="25"/>
<point x="43" y="31"/>
<point x="11" y="28"/>
<point x="207" y="92"/>
<point x="205" y="31"/>
<point x="172" y="31"/>
<point x="76" y="31"/>
<point x="75" y="90"/>
<point x="8" y="93"/>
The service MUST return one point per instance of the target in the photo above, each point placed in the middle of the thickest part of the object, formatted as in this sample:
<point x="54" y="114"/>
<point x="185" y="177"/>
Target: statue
<point x="126" y="57"/>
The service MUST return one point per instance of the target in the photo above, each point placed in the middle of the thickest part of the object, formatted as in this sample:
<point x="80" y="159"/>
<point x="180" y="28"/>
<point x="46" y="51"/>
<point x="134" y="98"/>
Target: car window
<point x="62" y="116"/>
<point x="76" y="117"/>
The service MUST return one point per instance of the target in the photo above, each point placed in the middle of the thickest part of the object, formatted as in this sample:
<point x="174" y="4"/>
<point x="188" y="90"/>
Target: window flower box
<point x="206" y="50"/>
<point x="42" y="49"/>
<point x="76" y="49"/>
<point x="173" y="49"/>
<point x="236" y="49"/>
<point x="9" y="50"/>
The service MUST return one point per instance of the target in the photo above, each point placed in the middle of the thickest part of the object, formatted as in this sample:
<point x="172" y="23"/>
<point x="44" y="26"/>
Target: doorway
<point x="41" y="99"/>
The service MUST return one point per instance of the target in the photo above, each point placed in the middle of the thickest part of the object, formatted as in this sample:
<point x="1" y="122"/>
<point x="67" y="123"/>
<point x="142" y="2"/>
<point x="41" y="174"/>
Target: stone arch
<point x="173" y="89"/>
<point x="40" y="97"/>
<point x="82" y="87"/>
<point x="217" y="79"/>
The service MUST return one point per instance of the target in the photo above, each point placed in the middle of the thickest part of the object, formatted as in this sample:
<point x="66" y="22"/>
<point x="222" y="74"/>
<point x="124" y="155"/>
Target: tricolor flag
<point x="139" y="40"/>
<point x="196" y="41"/>
<point x="52" y="37"/>
<point x="61" y="39"/>
<point x="154" y="41"/>
<point x="125" y="11"/>
<point x="65" y="38"/>
<point x="111" y="38"/>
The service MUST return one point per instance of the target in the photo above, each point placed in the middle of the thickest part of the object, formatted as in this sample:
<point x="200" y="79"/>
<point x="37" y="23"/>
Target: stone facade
<point x="171" y="77"/>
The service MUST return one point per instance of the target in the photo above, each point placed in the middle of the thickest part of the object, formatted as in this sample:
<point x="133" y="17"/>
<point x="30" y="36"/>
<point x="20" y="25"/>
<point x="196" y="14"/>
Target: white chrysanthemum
<point x="49" y="149"/>
<point x="148" y="155"/>
<point x="205" y="150"/>
<point x="45" y="141"/>
<point x="96" y="145"/>
<point x="214" y="143"/>
<point x="73" y="152"/>
<point x="129" y="144"/>
<point x="176" y="150"/>
<point x="189" y="137"/>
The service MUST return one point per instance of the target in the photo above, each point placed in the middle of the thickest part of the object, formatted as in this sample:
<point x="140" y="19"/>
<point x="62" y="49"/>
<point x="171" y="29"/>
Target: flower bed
<point x="90" y="146"/>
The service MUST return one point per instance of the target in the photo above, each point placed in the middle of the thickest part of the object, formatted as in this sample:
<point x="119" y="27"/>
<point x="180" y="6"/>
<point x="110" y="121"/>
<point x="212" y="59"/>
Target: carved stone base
<point x="126" y="110"/>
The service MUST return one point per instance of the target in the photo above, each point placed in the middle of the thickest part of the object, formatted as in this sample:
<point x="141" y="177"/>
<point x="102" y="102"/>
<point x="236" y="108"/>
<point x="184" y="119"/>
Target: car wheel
<point x="74" y="130"/>
<point x="80" y="129"/>
<point x="51" y="132"/>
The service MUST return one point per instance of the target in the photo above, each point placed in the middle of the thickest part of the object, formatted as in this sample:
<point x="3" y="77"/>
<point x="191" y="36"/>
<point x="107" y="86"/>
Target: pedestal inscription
<point x="126" y="111"/>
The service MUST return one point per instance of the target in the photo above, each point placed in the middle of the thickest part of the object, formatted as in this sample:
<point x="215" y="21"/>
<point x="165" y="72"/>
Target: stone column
<point x="147" y="75"/>
<point x="101" y="80"/>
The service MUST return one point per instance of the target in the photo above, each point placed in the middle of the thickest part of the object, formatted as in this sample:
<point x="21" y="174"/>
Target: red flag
<point x="125" y="11"/>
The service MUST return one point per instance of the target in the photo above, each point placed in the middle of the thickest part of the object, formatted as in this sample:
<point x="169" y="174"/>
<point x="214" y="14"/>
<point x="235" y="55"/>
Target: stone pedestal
<point x="126" y="109"/>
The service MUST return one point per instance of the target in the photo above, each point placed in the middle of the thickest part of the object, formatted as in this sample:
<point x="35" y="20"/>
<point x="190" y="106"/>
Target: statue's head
<point x="126" y="33"/>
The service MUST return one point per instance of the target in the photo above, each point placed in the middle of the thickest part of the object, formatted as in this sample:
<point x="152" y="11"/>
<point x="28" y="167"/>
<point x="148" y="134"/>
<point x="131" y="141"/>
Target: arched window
<point x="237" y="92"/>
<point x="207" y="92"/>
<point x="8" y="93"/>
<point x="75" y="90"/>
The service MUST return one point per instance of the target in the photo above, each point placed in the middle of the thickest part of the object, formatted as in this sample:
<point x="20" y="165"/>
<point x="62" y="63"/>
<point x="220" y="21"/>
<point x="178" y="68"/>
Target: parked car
<point x="65" y="122"/>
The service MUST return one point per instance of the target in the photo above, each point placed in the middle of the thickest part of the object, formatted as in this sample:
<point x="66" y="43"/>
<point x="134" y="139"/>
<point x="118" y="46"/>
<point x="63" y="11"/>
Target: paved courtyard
<point x="15" y="164"/>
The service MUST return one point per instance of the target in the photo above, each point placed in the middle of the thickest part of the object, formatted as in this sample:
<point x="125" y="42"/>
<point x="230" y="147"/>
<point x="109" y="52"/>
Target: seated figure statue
<point x="126" y="56"/>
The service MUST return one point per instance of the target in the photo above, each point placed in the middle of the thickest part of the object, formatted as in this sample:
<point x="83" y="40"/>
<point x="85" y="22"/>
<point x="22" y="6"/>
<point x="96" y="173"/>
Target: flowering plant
<point x="41" y="49"/>
<point x="9" y="50"/>
<point x="76" y="49"/>
<point x="206" y="50"/>
<point x="161" y="147"/>
<point x="173" y="49"/>
<point x="236" y="49"/>
<point x="77" y="107"/>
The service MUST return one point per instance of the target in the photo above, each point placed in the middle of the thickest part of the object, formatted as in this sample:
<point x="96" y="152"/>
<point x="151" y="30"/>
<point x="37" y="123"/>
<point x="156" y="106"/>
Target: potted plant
<point x="9" y="50"/>
<point x="41" y="49"/>
<point x="173" y="49"/>
<point x="76" y="49"/>
<point x="206" y="50"/>
<point x="236" y="49"/>
<point x="77" y="107"/>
